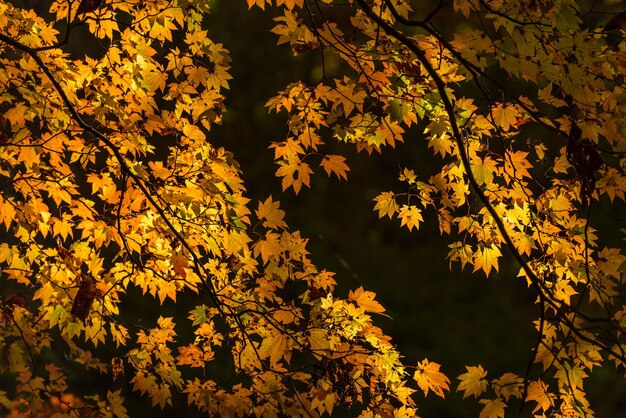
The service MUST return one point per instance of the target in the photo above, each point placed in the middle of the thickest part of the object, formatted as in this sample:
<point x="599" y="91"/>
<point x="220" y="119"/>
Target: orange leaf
<point x="365" y="300"/>
<point x="335" y="164"/>
<point x="428" y="377"/>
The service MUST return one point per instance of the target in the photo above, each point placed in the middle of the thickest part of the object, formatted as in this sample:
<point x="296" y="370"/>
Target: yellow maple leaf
<point x="508" y="384"/>
<point x="516" y="165"/>
<point x="404" y="412"/>
<point x="386" y="204"/>
<point x="570" y="376"/>
<point x="428" y="377"/>
<point x="441" y="144"/>
<point x="7" y="212"/>
<point x="190" y="355"/>
<point x="484" y="170"/>
<point x="268" y="247"/>
<point x="462" y="6"/>
<point x="62" y="227"/>
<point x="504" y="116"/>
<point x="271" y="214"/>
<point x="410" y="216"/>
<point x="274" y="347"/>
<point x="494" y="408"/>
<point x="365" y="300"/>
<point x="486" y="257"/>
<point x="473" y="382"/>
<point x="318" y="339"/>
<point x="158" y="170"/>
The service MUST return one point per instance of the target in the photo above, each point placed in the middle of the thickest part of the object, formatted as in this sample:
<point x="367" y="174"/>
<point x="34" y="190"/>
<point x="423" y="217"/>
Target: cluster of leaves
<point x="108" y="183"/>
<point x="537" y="165"/>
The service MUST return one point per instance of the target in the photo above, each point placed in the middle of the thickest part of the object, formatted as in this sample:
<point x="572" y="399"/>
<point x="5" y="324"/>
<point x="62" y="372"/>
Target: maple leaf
<point x="508" y="384"/>
<point x="290" y="4"/>
<point x="410" y="216"/>
<point x="269" y="247"/>
<point x="516" y="165"/>
<point x="486" y="257"/>
<point x="274" y="347"/>
<point x="335" y="164"/>
<point x="462" y="6"/>
<point x="271" y="214"/>
<point x="494" y="408"/>
<point x="17" y="115"/>
<point x="484" y="171"/>
<point x="538" y="392"/>
<point x="441" y="144"/>
<point x="428" y="377"/>
<point x="7" y="212"/>
<point x="386" y="204"/>
<point x="473" y="381"/>
<point x="504" y="116"/>
<point x="87" y="6"/>
<point x="570" y="376"/>
<point x="87" y="292"/>
<point x="62" y="227"/>
<point x="190" y="355"/>
<point x="288" y="149"/>
<point x="365" y="299"/>
<point x="259" y="3"/>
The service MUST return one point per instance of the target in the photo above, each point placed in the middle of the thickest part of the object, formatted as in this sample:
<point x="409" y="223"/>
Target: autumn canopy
<point x="113" y="190"/>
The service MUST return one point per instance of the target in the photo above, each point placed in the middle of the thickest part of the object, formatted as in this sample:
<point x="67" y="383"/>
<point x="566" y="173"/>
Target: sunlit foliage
<point x="109" y="183"/>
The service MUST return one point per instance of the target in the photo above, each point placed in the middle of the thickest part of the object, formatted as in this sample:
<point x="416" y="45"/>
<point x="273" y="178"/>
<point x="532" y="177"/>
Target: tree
<point x="110" y="183"/>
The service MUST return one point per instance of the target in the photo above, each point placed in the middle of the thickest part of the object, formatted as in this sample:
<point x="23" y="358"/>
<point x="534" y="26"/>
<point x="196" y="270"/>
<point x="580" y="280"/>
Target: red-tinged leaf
<point x="179" y="264"/>
<point x="87" y="293"/>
